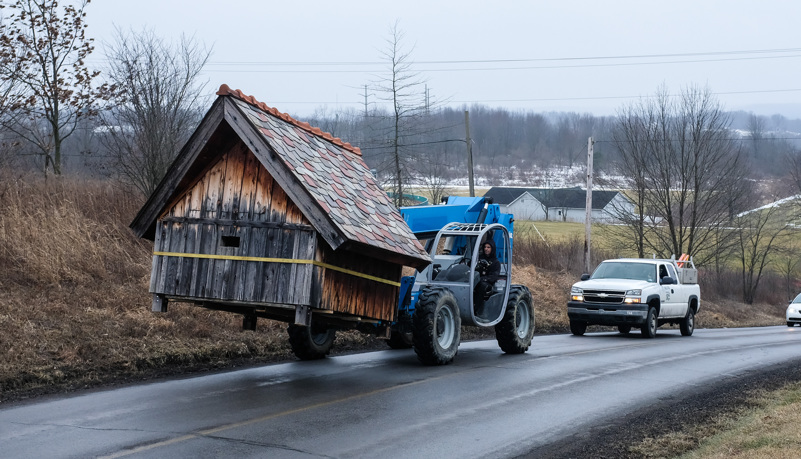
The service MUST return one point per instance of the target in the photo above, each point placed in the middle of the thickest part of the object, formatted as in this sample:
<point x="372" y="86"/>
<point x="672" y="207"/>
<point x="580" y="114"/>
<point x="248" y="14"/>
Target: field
<point x="75" y="308"/>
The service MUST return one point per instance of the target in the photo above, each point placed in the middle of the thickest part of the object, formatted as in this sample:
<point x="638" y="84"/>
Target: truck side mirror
<point x="585" y="276"/>
<point x="667" y="280"/>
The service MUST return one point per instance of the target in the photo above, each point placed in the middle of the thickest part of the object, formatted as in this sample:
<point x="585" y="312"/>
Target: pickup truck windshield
<point x="628" y="270"/>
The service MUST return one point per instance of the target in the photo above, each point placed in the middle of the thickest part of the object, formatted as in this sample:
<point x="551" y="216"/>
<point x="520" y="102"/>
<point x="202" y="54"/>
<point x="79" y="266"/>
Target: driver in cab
<point x="488" y="267"/>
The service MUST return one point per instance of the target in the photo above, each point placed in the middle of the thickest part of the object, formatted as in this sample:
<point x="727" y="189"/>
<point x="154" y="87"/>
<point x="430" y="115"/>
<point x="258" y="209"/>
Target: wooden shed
<point x="266" y="216"/>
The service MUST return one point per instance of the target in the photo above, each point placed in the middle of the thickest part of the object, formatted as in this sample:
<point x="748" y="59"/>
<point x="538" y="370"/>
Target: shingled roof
<point x="573" y="198"/>
<point x="323" y="175"/>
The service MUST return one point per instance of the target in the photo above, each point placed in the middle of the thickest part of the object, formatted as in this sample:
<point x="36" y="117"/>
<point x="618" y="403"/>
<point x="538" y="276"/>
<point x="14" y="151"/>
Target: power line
<point x="555" y="99"/>
<point x="733" y="139"/>
<point x="493" y="69"/>
<point x="743" y="55"/>
<point x="520" y="60"/>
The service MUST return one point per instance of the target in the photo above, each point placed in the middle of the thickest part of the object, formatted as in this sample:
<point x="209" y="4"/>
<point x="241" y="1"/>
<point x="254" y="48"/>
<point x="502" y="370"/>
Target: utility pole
<point x="365" y="101"/>
<point x="588" y="211"/>
<point x="469" y="153"/>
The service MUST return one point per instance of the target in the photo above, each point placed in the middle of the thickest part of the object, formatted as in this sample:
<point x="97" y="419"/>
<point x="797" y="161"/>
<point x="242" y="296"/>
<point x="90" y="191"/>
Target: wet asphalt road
<point x="385" y="404"/>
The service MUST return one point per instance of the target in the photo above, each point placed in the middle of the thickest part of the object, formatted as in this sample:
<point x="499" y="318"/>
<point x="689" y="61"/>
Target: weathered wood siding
<point x="234" y="209"/>
<point x="353" y="294"/>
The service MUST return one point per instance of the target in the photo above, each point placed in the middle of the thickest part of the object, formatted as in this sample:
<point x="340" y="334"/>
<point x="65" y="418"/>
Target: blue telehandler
<point x="436" y="302"/>
<point x="449" y="293"/>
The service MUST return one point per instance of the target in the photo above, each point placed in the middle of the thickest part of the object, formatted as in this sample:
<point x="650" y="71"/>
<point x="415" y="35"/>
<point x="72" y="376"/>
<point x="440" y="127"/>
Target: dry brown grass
<point x="768" y="430"/>
<point x="75" y="308"/>
<point x="74" y="297"/>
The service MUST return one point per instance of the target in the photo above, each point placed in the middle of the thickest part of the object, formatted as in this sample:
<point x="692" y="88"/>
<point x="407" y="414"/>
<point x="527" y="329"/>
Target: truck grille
<point x="604" y="296"/>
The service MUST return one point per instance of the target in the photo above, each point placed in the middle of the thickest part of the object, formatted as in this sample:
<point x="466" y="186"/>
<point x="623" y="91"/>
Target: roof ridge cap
<point x="226" y="90"/>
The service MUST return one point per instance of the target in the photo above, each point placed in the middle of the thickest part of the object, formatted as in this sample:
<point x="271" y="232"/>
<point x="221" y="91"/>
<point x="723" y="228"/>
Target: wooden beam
<point x="385" y="255"/>
<point x="159" y="303"/>
<point x="248" y="223"/>
<point x="303" y="315"/>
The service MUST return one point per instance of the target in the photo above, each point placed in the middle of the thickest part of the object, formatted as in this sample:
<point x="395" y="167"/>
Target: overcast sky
<point x="565" y="55"/>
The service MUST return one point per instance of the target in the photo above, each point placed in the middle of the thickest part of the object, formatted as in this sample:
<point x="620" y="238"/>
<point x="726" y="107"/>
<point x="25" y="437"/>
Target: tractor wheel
<point x="515" y="330"/>
<point x="578" y="328"/>
<point x="436" y="326"/>
<point x="400" y="340"/>
<point x="311" y="344"/>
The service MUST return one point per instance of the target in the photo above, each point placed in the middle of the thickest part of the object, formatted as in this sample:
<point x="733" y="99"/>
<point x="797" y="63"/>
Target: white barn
<point x="560" y="204"/>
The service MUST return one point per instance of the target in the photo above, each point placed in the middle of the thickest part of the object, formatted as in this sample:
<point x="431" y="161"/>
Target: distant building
<point x="560" y="204"/>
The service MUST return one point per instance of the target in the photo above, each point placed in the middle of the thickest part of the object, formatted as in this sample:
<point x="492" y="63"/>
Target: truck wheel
<point x="311" y="344"/>
<point x="687" y="324"/>
<point x="791" y="324"/>
<point x="436" y="326"/>
<point x="515" y="330"/>
<point x="400" y="340"/>
<point x="649" y="328"/>
<point x="578" y="328"/>
<point x="624" y="329"/>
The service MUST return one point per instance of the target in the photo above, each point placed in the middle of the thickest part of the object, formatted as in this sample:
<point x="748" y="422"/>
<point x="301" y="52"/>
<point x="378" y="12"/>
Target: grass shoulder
<point x="769" y="429"/>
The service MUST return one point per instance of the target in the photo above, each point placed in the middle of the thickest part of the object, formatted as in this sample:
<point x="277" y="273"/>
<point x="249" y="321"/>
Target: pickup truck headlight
<point x="576" y="294"/>
<point x="632" y="296"/>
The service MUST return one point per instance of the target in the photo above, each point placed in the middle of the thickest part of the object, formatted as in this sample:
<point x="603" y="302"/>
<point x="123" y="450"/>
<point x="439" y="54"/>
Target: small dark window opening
<point x="230" y="241"/>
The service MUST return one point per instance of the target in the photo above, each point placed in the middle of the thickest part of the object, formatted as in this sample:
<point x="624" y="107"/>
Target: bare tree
<point x="688" y="174"/>
<point x="49" y="47"/>
<point x="756" y="132"/>
<point x="432" y="176"/>
<point x="793" y="163"/>
<point x="155" y="103"/>
<point x="787" y="264"/>
<point x="9" y="81"/>
<point x="759" y="234"/>
<point x="400" y="129"/>
<point x="633" y="137"/>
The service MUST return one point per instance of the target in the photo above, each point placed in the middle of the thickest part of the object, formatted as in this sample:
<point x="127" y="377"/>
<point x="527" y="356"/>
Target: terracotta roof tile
<point x="225" y="90"/>
<point x="310" y="181"/>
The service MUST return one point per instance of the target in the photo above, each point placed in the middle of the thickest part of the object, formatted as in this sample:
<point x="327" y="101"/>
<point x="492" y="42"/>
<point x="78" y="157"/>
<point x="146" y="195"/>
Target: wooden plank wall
<point x="351" y="294"/>
<point x="234" y="198"/>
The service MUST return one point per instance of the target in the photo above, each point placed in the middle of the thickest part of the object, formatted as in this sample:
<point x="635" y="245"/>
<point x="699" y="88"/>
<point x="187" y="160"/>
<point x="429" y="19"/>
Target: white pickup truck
<point x="636" y="292"/>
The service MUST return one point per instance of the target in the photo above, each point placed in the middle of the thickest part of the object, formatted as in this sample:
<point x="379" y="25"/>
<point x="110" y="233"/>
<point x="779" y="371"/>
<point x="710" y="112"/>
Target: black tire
<point x="578" y="328"/>
<point x="311" y="345"/>
<point x="436" y="326"/>
<point x="515" y="331"/>
<point x="624" y="329"/>
<point x="790" y="324"/>
<point x="649" y="328"/>
<point x="687" y="324"/>
<point x="399" y="340"/>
